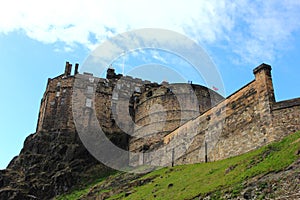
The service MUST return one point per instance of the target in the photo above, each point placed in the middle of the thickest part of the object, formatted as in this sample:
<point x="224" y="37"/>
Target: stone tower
<point x="55" y="110"/>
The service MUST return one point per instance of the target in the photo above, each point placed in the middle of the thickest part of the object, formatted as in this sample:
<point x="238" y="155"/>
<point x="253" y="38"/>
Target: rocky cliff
<point x="50" y="163"/>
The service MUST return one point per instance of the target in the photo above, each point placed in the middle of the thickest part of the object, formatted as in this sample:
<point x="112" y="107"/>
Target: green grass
<point x="76" y="194"/>
<point x="190" y="181"/>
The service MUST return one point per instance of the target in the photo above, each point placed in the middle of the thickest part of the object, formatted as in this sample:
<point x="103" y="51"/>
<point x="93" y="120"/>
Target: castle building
<point x="190" y="123"/>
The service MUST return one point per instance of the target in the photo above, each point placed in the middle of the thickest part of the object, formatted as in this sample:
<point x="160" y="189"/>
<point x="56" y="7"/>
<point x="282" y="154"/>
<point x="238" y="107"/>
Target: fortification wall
<point x="286" y="117"/>
<point x="163" y="108"/>
<point x="166" y="116"/>
<point x="240" y="123"/>
<point x="108" y="104"/>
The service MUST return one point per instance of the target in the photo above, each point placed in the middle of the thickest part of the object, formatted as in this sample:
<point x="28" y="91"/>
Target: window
<point x="88" y="103"/>
<point x="91" y="79"/>
<point x="137" y="89"/>
<point x="90" y="90"/>
<point x="136" y="99"/>
<point x="58" y="86"/>
<point x="62" y="101"/>
<point x="115" y="96"/>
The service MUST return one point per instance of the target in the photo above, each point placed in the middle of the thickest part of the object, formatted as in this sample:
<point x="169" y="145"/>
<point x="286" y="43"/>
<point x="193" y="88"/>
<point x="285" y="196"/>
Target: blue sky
<point x="37" y="38"/>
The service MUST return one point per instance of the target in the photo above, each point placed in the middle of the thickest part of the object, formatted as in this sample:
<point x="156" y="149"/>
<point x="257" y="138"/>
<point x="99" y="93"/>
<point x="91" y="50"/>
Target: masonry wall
<point x="55" y="110"/>
<point x="240" y="123"/>
<point x="247" y="119"/>
<point x="286" y="117"/>
<point x="163" y="108"/>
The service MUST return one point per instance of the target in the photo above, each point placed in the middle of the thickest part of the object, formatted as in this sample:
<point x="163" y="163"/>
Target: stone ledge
<point x="286" y="104"/>
<point x="263" y="66"/>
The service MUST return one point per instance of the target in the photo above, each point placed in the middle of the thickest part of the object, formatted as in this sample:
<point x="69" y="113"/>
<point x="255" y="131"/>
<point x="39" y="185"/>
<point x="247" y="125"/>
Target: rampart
<point x="166" y="119"/>
<point x="246" y="120"/>
<point x="161" y="109"/>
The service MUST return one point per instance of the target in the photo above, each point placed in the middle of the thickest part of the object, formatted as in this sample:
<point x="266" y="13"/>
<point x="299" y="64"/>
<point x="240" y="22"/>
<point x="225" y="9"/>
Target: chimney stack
<point x="68" y="69"/>
<point x="76" y="69"/>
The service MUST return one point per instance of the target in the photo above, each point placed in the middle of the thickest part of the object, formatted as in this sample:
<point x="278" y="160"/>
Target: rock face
<point x="50" y="163"/>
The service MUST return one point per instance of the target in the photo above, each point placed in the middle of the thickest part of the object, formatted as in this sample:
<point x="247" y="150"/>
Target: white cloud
<point x="253" y="30"/>
<point x="264" y="28"/>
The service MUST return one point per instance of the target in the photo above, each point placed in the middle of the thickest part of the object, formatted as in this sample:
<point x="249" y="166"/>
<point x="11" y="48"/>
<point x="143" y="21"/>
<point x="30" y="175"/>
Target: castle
<point x="189" y="123"/>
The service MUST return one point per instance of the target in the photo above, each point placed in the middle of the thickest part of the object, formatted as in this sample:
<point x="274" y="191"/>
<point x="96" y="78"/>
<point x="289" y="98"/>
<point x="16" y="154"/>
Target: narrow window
<point x="115" y="96"/>
<point x="90" y="90"/>
<point x="88" y="103"/>
<point x="91" y="79"/>
<point x="137" y="89"/>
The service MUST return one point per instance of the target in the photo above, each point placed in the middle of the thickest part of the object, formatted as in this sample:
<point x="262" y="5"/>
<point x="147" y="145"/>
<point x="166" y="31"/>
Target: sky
<point x="38" y="37"/>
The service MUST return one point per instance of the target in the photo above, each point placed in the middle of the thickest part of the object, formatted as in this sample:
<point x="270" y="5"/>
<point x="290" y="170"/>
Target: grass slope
<point x="190" y="181"/>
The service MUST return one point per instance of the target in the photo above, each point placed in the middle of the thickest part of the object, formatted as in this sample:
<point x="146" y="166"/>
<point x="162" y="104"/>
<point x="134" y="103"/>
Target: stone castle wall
<point x="163" y="108"/>
<point x="246" y="120"/>
<point x="286" y="117"/>
<point x="121" y="105"/>
<point x="176" y="131"/>
<point x="55" y="110"/>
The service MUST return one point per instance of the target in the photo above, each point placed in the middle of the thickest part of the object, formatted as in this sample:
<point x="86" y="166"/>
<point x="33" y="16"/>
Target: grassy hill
<point x="263" y="173"/>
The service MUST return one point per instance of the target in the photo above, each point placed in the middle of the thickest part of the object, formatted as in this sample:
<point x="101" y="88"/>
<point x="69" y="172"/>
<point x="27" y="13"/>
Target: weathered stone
<point x="245" y="120"/>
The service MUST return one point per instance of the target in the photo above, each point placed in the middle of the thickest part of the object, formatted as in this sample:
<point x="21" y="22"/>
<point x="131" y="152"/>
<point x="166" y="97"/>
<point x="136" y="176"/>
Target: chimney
<point x="76" y="69"/>
<point x="68" y="69"/>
